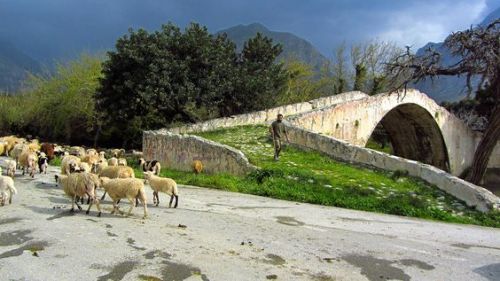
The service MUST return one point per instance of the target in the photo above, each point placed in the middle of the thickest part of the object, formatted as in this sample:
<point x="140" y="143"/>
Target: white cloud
<point x="422" y="23"/>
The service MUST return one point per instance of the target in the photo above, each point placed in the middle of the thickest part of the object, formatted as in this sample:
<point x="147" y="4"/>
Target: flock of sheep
<point x="83" y="172"/>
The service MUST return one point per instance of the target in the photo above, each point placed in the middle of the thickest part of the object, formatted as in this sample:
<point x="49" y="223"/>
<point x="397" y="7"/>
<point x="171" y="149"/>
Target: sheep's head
<point x="104" y="180"/>
<point x="147" y="175"/>
<point x="73" y="167"/>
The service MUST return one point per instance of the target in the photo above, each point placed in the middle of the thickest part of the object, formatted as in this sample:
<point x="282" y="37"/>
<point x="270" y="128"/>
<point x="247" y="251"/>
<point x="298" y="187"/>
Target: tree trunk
<point x="485" y="148"/>
<point x="97" y="133"/>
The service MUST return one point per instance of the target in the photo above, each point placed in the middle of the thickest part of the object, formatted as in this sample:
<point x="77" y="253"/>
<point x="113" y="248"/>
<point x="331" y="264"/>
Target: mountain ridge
<point x="293" y="45"/>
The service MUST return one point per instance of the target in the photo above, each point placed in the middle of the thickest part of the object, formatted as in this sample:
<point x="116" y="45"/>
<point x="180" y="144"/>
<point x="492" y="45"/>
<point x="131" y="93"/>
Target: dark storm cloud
<point x="52" y="29"/>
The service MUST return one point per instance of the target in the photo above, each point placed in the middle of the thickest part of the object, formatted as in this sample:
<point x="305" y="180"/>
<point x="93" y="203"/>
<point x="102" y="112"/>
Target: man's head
<point x="280" y="117"/>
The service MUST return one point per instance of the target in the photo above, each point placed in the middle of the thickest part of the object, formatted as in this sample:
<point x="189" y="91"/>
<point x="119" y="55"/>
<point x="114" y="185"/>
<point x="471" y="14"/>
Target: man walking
<point x="278" y="130"/>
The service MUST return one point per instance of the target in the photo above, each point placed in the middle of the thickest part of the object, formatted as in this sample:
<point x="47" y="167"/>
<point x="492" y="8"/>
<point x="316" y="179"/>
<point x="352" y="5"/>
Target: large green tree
<point x="170" y="76"/>
<point x="261" y="79"/>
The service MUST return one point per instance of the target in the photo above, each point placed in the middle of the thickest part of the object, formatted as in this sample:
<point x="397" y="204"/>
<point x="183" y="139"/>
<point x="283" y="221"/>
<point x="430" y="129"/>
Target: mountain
<point x="293" y="46"/>
<point x="14" y="67"/>
<point x="449" y="88"/>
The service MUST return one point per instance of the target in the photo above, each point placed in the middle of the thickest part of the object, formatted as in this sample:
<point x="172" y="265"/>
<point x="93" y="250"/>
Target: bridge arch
<point x="446" y="141"/>
<point x="414" y="134"/>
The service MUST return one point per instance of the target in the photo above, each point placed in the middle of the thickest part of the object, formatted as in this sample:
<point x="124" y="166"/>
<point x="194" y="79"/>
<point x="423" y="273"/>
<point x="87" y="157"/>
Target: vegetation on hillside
<point x="60" y="107"/>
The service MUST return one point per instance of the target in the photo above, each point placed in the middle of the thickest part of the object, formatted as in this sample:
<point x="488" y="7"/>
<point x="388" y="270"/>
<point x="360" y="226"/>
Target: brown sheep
<point x="48" y="149"/>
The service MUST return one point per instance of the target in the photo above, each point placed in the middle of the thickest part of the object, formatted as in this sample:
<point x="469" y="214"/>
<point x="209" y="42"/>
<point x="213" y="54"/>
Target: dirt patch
<point x="57" y="200"/>
<point x="468" y="246"/>
<point x="375" y="221"/>
<point x="118" y="271"/>
<point x="61" y="215"/>
<point x="274" y="259"/>
<point x="257" y="207"/>
<point x="149" y="278"/>
<point x="33" y="247"/>
<point x="131" y="243"/>
<point x="490" y="272"/>
<point x="157" y="253"/>
<point x="289" y="221"/>
<point x="321" y="277"/>
<point x="15" y="237"/>
<point x="109" y="225"/>
<point x="417" y="263"/>
<point x="9" y="220"/>
<point x="178" y="271"/>
<point x="111" y="234"/>
<point x="376" y="269"/>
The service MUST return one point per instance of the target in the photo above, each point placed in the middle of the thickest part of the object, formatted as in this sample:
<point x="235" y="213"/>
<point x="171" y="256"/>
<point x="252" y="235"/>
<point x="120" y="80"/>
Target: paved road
<point x="230" y="236"/>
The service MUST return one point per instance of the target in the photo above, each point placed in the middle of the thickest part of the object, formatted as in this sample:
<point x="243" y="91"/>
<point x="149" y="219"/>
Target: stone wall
<point x="179" y="151"/>
<point x="473" y="195"/>
<point x="175" y="150"/>
<point x="264" y="116"/>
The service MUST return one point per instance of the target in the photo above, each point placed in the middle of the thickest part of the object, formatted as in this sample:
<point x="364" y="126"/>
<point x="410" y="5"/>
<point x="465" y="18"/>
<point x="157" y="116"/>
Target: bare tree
<point x="479" y="51"/>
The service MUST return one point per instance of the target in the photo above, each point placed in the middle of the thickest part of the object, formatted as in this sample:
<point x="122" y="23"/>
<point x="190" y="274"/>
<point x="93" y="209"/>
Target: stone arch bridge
<point x="418" y="128"/>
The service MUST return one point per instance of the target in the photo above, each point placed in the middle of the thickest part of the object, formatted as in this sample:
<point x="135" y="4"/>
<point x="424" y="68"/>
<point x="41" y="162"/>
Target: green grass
<point x="56" y="161"/>
<point x="377" y="146"/>
<point x="308" y="176"/>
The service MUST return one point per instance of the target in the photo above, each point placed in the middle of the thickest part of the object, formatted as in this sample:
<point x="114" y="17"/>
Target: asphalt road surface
<point x="218" y="235"/>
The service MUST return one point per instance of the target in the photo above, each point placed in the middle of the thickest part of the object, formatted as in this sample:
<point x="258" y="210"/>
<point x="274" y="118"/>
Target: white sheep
<point x="122" y="162"/>
<point x="28" y="161"/>
<point x="99" y="166"/>
<point x="165" y="185"/>
<point x="18" y="150"/>
<point x="129" y="188"/>
<point x="91" y="151"/>
<point x="3" y="147"/>
<point x="11" y="167"/>
<point x="84" y="167"/>
<point x="91" y="159"/>
<point x="77" y="151"/>
<point x="114" y="172"/>
<point x="69" y="163"/>
<point x="113" y="161"/>
<point x="7" y="189"/>
<point x="77" y="185"/>
<point x="116" y="152"/>
<point x="153" y="166"/>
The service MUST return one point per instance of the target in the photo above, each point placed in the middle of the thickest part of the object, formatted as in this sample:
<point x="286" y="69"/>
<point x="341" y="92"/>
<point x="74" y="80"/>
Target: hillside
<point x="293" y="46"/>
<point x="14" y="67"/>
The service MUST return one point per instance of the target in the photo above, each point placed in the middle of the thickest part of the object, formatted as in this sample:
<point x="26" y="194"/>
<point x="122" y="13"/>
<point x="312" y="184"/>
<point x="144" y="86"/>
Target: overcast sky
<point x="55" y="28"/>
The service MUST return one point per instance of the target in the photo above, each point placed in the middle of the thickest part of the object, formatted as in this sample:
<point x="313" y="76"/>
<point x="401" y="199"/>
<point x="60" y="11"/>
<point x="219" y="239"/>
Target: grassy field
<point x="307" y="176"/>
